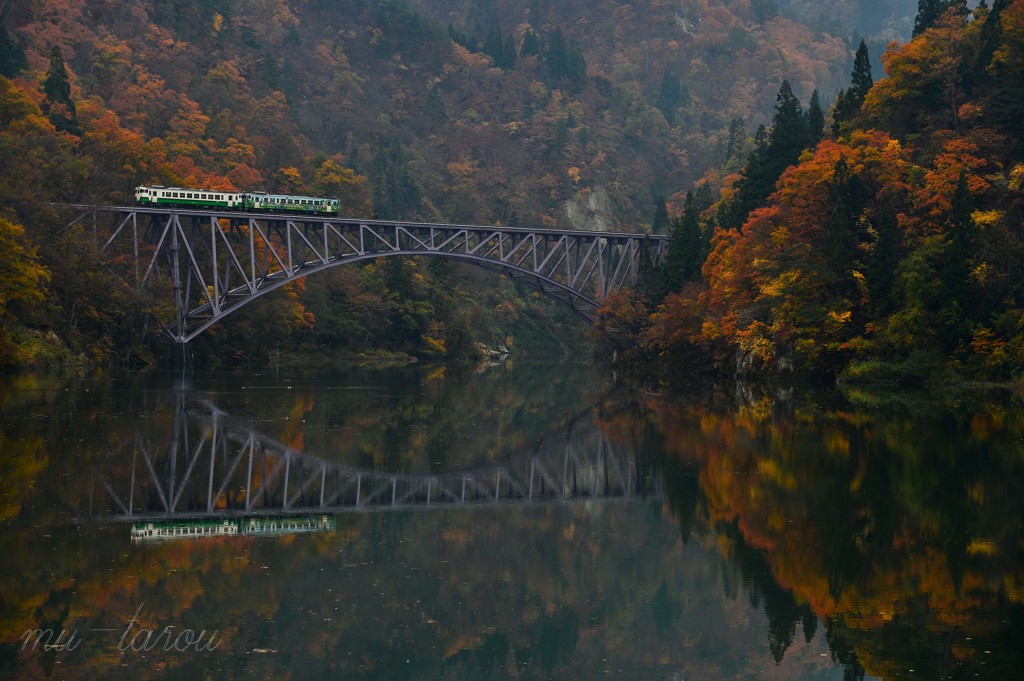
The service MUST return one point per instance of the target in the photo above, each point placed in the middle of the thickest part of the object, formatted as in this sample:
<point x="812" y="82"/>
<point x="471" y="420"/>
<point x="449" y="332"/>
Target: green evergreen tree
<point x="753" y="187"/>
<point x="880" y="273"/>
<point x="647" y="284"/>
<point x="530" y="46"/>
<point x="789" y="132"/>
<point x="494" y="47"/>
<point x="554" y="55"/>
<point x="737" y="135"/>
<point x="930" y="11"/>
<point x="435" y="105"/>
<point x="660" y="222"/>
<point x="59" y="107"/>
<point x="991" y="36"/>
<point x="840" y="240"/>
<point x="683" y="259"/>
<point x="565" y="65"/>
<point x="815" y="121"/>
<point x="772" y="154"/>
<point x="861" y="81"/>
<point x="848" y="102"/>
<point x="509" y="52"/>
<point x="961" y="248"/>
<point x="704" y="197"/>
<point x="576" y="67"/>
<point x="12" y="56"/>
<point x="669" y="95"/>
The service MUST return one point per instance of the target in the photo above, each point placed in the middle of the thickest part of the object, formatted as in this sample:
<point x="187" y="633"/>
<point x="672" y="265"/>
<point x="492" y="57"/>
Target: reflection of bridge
<point x="214" y="467"/>
<point x="215" y="262"/>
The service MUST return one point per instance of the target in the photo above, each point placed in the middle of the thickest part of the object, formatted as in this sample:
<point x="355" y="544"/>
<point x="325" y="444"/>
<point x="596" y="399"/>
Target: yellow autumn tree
<point x="22" y="278"/>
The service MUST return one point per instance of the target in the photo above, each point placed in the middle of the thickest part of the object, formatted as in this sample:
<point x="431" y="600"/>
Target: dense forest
<point x="543" y="114"/>
<point x="882" y="242"/>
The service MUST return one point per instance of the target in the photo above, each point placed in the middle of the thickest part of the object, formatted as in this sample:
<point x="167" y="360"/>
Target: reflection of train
<point x="230" y="527"/>
<point x="157" y="195"/>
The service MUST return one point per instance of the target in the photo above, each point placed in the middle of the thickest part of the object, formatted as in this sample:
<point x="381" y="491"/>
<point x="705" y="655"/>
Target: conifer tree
<point x="554" y="55"/>
<point x="12" y="56"/>
<point x="789" y="133"/>
<point x="531" y="45"/>
<point x="752" y="188"/>
<point x="840" y="240"/>
<point x="928" y="12"/>
<point x="960" y="225"/>
<point x="848" y="101"/>
<point x="988" y="41"/>
<point x="861" y="81"/>
<point x="576" y="67"/>
<point x="59" y="107"/>
<point x="494" y="47"/>
<point x="815" y="120"/>
<point x="659" y="225"/>
<point x="880" y="273"/>
<point x="509" y="52"/>
<point x="669" y="95"/>
<point x="737" y="134"/>
<point x="683" y="259"/>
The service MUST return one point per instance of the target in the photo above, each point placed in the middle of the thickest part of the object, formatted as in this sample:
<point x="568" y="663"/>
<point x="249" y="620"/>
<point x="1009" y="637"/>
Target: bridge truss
<point x="215" y="467"/>
<point x="212" y="263"/>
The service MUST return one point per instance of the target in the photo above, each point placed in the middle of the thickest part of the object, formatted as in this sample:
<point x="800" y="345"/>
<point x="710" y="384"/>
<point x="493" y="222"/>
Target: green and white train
<point x="272" y="526"/>
<point x="157" y="195"/>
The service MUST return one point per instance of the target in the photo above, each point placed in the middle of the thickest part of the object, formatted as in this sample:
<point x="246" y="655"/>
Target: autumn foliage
<point x="892" y="249"/>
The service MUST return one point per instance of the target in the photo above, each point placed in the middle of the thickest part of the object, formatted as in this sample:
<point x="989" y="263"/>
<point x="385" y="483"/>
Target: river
<point x="515" y="521"/>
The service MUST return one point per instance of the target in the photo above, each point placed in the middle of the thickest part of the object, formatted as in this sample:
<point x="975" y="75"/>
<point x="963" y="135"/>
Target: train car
<point x="158" y="195"/>
<point x="288" y="203"/>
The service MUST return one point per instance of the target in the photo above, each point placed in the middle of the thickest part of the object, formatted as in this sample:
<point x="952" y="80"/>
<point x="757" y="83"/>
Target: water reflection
<point x="211" y="464"/>
<point x="897" y="523"/>
<point x="586" y="583"/>
<point x="715" y="534"/>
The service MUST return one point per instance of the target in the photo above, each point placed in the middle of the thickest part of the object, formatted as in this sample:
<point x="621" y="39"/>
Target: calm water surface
<point x="515" y="522"/>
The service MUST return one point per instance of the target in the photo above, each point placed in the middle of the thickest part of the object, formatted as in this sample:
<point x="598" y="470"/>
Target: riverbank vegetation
<point x="884" y="246"/>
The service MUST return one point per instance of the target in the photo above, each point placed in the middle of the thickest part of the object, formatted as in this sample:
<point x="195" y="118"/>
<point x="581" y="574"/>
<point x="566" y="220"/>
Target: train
<point x="158" y="195"/>
<point x="230" y="527"/>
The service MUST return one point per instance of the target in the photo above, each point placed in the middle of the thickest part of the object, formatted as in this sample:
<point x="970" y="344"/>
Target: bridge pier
<point x="181" y="355"/>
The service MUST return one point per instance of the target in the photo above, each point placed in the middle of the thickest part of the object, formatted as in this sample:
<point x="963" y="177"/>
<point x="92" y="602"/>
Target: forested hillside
<point x="538" y="113"/>
<point x="885" y="243"/>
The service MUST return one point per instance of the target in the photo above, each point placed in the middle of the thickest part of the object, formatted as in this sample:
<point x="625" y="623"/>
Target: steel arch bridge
<point x="213" y="466"/>
<point x="213" y="262"/>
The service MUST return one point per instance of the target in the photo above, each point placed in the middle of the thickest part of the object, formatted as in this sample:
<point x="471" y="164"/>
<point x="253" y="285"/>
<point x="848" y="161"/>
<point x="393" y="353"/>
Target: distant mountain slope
<point x="245" y="90"/>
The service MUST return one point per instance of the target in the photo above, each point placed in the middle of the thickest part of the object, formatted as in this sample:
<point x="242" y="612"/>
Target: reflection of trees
<point x="899" y="527"/>
<point x="779" y="604"/>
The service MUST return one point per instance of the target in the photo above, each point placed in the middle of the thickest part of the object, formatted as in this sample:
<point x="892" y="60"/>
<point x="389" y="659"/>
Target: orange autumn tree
<point x="792" y="284"/>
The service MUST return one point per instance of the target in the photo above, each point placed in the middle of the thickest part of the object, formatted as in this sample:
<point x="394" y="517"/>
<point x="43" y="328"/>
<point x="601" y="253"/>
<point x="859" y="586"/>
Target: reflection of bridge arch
<point x="214" y="262"/>
<point x="214" y="466"/>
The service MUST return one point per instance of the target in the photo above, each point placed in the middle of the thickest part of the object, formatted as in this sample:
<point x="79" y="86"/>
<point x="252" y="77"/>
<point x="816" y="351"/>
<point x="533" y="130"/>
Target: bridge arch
<point x="214" y="263"/>
<point x="213" y="465"/>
